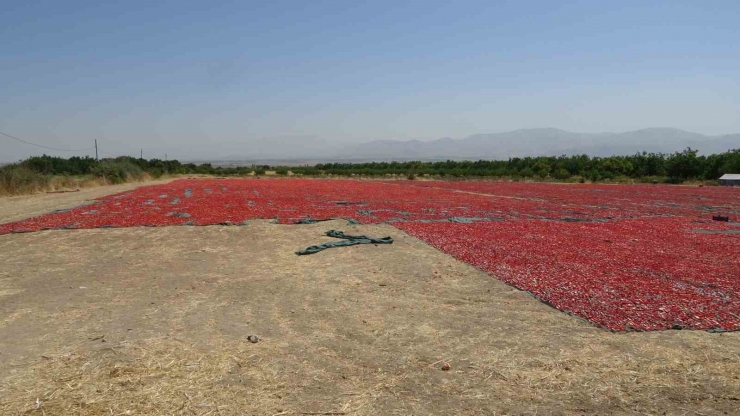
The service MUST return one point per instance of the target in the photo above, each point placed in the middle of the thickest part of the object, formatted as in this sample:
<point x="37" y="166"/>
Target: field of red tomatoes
<point x="624" y="257"/>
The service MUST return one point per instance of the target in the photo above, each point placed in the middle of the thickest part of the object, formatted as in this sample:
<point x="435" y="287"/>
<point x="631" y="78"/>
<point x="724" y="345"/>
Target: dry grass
<point x="160" y="376"/>
<point x="167" y="376"/>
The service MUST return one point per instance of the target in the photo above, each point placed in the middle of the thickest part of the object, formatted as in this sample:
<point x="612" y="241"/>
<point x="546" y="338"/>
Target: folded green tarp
<point x="312" y="221"/>
<point x="347" y="240"/>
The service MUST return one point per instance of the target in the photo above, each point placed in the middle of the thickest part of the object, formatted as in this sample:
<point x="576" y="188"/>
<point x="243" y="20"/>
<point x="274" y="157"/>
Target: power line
<point x="45" y="147"/>
<point x="107" y="153"/>
<point x="61" y="150"/>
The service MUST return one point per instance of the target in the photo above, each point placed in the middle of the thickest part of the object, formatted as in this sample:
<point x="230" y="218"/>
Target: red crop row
<point x="623" y="257"/>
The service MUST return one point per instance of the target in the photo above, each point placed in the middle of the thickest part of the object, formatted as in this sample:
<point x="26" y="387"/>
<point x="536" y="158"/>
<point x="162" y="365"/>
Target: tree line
<point x="673" y="168"/>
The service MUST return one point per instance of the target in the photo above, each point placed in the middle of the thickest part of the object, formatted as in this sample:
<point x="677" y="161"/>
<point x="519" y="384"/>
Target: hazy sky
<point x="200" y="79"/>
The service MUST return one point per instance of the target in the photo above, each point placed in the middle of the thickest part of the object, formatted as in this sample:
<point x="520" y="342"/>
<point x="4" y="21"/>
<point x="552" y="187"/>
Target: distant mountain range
<point x="518" y="143"/>
<point x="542" y="142"/>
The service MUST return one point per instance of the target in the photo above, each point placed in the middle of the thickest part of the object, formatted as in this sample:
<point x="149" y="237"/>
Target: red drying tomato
<point x="623" y="257"/>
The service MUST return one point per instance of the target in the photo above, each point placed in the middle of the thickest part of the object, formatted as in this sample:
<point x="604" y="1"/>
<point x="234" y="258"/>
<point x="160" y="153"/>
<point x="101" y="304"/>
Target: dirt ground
<point x="156" y="320"/>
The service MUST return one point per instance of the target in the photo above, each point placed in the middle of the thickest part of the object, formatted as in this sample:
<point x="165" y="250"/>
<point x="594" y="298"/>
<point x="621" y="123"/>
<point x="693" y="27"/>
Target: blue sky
<point x="205" y="79"/>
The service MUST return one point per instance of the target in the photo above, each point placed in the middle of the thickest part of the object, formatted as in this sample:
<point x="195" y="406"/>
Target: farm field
<point x="154" y="320"/>
<point x="622" y="257"/>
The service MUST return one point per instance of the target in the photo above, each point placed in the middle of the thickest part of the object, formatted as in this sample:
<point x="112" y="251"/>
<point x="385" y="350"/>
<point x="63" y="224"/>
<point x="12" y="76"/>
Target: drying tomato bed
<point x="623" y="257"/>
<point x="644" y="274"/>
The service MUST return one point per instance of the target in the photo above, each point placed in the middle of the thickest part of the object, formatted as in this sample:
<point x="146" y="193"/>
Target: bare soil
<point x="156" y="320"/>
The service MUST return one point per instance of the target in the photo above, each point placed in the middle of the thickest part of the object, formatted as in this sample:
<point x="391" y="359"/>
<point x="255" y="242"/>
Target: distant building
<point x="730" y="179"/>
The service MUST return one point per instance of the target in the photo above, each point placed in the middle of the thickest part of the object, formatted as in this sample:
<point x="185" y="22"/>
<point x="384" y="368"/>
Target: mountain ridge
<point x="543" y="142"/>
<point x="547" y="141"/>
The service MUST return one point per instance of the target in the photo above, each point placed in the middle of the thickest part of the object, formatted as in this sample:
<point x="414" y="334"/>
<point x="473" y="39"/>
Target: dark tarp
<point x="347" y="240"/>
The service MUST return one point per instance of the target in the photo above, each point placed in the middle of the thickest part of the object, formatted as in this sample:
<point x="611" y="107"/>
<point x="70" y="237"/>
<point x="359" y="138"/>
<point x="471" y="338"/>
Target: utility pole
<point x="142" y="154"/>
<point x="96" y="149"/>
<point x="165" y="157"/>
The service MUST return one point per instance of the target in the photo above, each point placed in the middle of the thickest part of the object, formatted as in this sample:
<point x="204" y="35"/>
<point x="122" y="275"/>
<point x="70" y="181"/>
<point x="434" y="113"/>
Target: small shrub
<point x="561" y="174"/>
<point x="526" y="172"/>
<point x="672" y="180"/>
<point x="62" y="182"/>
<point x="156" y="173"/>
<point x="17" y="179"/>
<point x="117" y="170"/>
